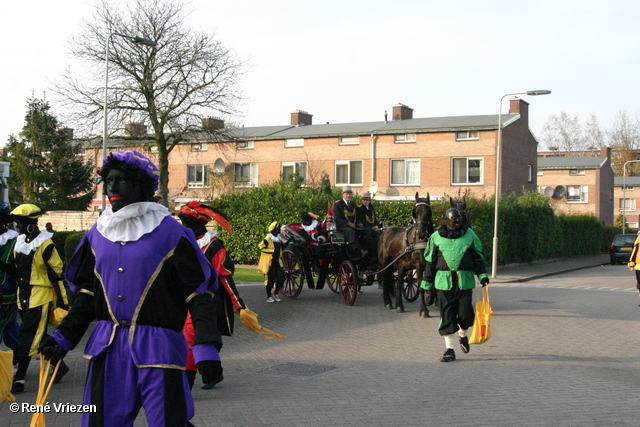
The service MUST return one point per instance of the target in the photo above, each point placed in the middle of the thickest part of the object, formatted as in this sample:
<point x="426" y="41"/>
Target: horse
<point x="404" y="248"/>
<point x="461" y="205"/>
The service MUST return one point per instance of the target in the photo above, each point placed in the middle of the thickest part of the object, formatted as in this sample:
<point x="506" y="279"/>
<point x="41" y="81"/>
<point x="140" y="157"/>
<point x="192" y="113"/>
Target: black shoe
<point x="18" y="387"/>
<point x="464" y="344"/>
<point x="448" y="356"/>
<point x="212" y="384"/>
<point x="62" y="371"/>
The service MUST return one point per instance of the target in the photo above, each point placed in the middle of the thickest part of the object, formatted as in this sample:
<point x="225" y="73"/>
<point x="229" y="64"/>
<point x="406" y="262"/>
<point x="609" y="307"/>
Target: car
<point x="620" y="248"/>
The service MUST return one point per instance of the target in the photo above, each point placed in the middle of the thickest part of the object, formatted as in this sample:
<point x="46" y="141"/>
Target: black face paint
<point x="122" y="191"/>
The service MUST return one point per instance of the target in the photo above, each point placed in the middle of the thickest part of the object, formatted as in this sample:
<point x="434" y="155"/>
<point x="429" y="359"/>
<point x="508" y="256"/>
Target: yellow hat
<point x="27" y="211"/>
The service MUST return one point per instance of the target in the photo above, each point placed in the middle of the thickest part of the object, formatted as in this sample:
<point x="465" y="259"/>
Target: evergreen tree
<point x="46" y="168"/>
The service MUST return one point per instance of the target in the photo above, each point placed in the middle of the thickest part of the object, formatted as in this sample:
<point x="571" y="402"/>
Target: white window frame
<point x="350" y="164"/>
<point x="539" y="172"/>
<point x="244" y="145"/>
<point x="296" y="142"/>
<point x="200" y="146"/>
<point x="468" y="160"/>
<point x="295" y="168"/>
<point x="251" y="180"/>
<point x="630" y="204"/>
<point x="582" y="196"/>
<point x="466" y="135"/>
<point x="530" y="173"/>
<point x="404" y="178"/>
<point x="403" y="138"/>
<point x="349" y="140"/>
<point x="576" y="172"/>
<point x="203" y="170"/>
<point x="153" y="149"/>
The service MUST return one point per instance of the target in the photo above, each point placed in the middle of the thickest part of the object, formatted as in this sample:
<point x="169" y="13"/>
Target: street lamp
<point x="624" y="192"/>
<point x="138" y="40"/>
<point x="494" y="258"/>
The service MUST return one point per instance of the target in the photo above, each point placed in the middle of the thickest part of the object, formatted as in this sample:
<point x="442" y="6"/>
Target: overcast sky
<point x="350" y="60"/>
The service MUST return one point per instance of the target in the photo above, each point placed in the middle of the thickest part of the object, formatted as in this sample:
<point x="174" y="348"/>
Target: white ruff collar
<point x="207" y="238"/>
<point x="7" y="235"/>
<point x="277" y="238"/>
<point x="26" y="248"/>
<point x="131" y="222"/>
<point x="310" y="227"/>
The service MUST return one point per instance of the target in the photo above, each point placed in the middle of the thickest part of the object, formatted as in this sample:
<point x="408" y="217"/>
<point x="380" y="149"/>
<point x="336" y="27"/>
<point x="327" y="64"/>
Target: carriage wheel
<point x="332" y="281"/>
<point x="410" y="285"/>
<point x="292" y="274"/>
<point x="348" y="282"/>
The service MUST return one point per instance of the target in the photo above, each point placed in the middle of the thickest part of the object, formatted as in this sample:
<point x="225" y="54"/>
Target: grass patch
<point x="247" y="275"/>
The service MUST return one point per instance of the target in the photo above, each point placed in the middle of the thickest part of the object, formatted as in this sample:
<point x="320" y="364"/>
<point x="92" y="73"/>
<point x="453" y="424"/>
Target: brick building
<point x="401" y="156"/>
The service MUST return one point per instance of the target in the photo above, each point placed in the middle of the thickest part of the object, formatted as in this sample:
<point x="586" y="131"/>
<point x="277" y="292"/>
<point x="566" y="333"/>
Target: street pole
<point x="105" y="137"/>
<point x="494" y="254"/>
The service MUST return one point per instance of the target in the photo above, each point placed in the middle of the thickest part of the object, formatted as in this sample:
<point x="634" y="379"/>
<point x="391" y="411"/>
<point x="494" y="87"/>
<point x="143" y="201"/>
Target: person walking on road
<point x="453" y="255"/>
<point x="270" y="263"/>
<point x="634" y="262"/>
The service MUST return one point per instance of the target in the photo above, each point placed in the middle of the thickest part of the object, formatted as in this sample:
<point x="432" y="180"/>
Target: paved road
<point x="561" y="355"/>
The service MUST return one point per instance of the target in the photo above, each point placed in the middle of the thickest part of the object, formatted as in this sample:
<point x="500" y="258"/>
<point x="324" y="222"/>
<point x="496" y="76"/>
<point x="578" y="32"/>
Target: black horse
<point x="403" y="247"/>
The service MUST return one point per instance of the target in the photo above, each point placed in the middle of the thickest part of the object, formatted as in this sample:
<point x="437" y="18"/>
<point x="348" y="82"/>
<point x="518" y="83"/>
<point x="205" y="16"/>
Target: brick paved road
<point x="561" y="357"/>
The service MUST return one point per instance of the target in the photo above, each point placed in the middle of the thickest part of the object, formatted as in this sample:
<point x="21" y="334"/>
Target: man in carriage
<point x="346" y="216"/>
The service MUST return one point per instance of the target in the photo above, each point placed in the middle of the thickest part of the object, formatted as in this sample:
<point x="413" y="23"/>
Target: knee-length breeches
<point x="456" y="310"/>
<point x="119" y="389"/>
<point x="33" y="328"/>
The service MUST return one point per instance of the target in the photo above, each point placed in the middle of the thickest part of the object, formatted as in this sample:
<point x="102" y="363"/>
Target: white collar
<point x="131" y="222"/>
<point x="277" y="238"/>
<point x="26" y="248"/>
<point x="207" y="238"/>
<point x="7" y="235"/>
<point x="311" y="227"/>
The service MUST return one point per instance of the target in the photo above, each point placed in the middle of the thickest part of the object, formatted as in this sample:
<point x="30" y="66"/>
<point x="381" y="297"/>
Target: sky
<point x="352" y="60"/>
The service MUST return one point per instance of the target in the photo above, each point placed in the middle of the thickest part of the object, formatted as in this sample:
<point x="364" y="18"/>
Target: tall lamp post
<point x="138" y="40"/>
<point x="624" y="193"/>
<point x="494" y="258"/>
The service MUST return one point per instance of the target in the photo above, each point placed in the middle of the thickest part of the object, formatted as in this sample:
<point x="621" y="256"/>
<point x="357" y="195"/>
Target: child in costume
<point x="196" y="216"/>
<point x="138" y="272"/>
<point x="37" y="268"/>
<point x="270" y="263"/>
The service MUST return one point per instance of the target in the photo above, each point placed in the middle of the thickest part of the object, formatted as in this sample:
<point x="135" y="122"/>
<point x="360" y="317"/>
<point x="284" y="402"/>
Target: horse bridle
<point x="418" y="223"/>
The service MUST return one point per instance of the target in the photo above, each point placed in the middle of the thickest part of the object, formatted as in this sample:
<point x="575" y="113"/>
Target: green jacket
<point x="458" y="252"/>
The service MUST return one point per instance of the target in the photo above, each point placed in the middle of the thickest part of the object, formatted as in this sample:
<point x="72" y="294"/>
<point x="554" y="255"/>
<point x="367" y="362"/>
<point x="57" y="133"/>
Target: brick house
<point x="631" y="195"/>
<point x="401" y="156"/>
<point x="578" y="184"/>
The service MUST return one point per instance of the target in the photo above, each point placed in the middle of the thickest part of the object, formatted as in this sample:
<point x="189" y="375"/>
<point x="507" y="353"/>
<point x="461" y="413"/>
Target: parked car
<point x="621" y="247"/>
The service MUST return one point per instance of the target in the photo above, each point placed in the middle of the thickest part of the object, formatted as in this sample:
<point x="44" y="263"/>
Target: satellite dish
<point x="218" y="167"/>
<point x="559" y="192"/>
<point x="373" y="188"/>
<point x="548" y="192"/>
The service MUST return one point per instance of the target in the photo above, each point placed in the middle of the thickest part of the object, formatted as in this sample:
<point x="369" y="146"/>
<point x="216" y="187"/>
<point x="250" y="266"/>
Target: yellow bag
<point x="6" y="376"/>
<point x="482" y="324"/>
<point x="57" y="316"/>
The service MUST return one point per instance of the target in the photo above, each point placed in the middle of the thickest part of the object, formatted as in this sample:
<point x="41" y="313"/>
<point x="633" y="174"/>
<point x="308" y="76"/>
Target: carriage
<point x="333" y="263"/>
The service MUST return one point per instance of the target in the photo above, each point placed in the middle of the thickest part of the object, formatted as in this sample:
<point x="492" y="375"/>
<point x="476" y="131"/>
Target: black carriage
<point x="332" y="263"/>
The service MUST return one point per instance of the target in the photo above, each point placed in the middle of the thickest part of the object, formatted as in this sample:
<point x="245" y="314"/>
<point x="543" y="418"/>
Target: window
<point x="467" y="134"/>
<point x="289" y="168"/>
<point x="576" y="171"/>
<point x="577" y="194"/>
<point x="245" y="175"/>
<point x="539" y="172"/>
<point x="197" y="176"/>
<point x="627" y="205"/>
<point x="244" y="145"/>
<point x="627" y="188"/>
<point x="199" y="147"/>
<point x="349" y="140"/>
<point x="153" y="149"/>
<point x="466" y="170"/>
<point x="530" y="173"/>
<point x="349" y="172"/>
<point x="405" y="172"/>
<point x="299" y="142"/>
<point x="406" y="137"/>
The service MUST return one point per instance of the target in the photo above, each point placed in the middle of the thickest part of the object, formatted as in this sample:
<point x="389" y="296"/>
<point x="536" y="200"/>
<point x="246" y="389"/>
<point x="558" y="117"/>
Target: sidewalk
<point x="513" y="273"/>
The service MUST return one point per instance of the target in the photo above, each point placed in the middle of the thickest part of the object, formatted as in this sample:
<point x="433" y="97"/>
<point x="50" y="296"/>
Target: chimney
<point x="402" y="112"/>
<point x="301" y="118"/>
<point x="519" y="106"/>
<point x="135" y="129"/>
<point x="212" y="123"/>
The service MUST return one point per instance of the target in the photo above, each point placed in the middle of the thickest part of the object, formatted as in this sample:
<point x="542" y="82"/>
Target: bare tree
<point x="624" y="140"/>
<point x="188" y="76"/>
<point x="563" y="132"/>
<point x="593" y="135"/>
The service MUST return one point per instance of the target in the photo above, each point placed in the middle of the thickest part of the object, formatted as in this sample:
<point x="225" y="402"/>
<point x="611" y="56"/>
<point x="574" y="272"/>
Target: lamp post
<point x="494" y="257"/>
<point x="624" y="193"/>
<point x="138" y="40"/>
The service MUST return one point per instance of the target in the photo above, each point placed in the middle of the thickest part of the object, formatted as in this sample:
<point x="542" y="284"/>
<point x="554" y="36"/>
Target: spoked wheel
<point x="332" y="281"/>
<point x="410" y="285"/>
<point x="292" y="274"/>
<point x="348" y="282"/>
